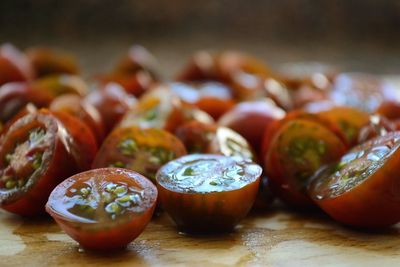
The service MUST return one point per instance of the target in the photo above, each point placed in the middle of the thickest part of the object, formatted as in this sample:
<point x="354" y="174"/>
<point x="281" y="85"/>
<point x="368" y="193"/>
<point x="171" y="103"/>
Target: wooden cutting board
<point x="272" y="238"/>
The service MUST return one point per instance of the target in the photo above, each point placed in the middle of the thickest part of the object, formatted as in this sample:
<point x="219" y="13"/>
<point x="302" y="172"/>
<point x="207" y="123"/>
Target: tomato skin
<point x="298" y="149"/>
<point x="373" y="203"/>
<point x="109" y="235"/>
<point x="250" y="119"/>
<point x="377" y="126"/>
<point x="47" y="61"/>
<point x="14" y="65"/>
<point x="112" y="102"/>
<point x="59" y="84"/>
<point x="78" y="107"/>
<point x="207" y="212"/>
<point x="31" y="199"/>
<point x="196" y="136"/>
<point x="389" y="109"/>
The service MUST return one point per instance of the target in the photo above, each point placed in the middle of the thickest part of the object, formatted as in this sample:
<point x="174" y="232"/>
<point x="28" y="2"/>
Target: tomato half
<point x="103" y="209"/>
<point x="208" y="193"/>
<point x="34" y="157"/>
<point x="377" y="126"/>
<point x="141" y="150"/>
<point x="14" y="65"/>
<point x="298" y="149"/>
<point x="389" y="109"/>
<point x="56" y="85"/>
<point x="362" y="188"/>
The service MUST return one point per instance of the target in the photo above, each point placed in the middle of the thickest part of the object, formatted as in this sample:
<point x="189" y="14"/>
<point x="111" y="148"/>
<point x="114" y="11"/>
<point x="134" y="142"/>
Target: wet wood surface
<point x="272" y="238"/>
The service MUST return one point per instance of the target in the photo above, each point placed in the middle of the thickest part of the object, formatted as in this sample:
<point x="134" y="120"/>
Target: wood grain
<point x="272" y="238"/>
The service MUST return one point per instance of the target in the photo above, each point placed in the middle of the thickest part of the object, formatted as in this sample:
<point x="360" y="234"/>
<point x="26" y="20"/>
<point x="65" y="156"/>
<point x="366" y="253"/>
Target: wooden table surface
<point x="271" y="238"/>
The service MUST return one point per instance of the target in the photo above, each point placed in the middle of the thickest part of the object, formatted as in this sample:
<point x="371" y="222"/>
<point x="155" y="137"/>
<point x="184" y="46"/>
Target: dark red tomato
<point x="298" y="149"/>
<point x="250" y="119"/>
<point x="211" y="97"/>
<point x="208" y="193"/>
<point x="196" y="136"/>
<point x="84" y="146"/>
<point x="362" y="91"/>
<point x="159" y="108"/>
<point x="349" y="120"/>
<point x="14" y="65"/>
<point x="47" y="61"/>
<point x="56" y="85"/>
<point x="34" y="158"/>
<point x="28" y="109"/>
<point x="377" y="126"/>
<point x="141" y="150"/>
<point x="103" y="209"/>
<point x="389" y="109"/>
<point x="307" y="94"/>
<point x="362" y="189"/>
<point x="137" y="59"/>
<point x="78" y="107"/>
<point x="112" y="102"/>
<point x="15" y="96"/>
<point x="202" y="66"/>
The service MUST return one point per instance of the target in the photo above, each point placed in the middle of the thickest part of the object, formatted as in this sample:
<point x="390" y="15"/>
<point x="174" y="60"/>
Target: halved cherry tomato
<point x="14" y="65"/>
<point x="103" y="209"/>
<point x="141" y="150"/>
<point x="34" y="157"/>
<point x="298" y="149"/>
<point x="47" y="61"/>
<point x="56" y="85"/>
<point x="389" y="109"/>
<point x="112" y="102"/>
<point x="377" y="126"/>
<point x="208" y="193"/>
<point x="250" y="119"/>
<point x="362" y="189"/>
<point x="28" y="109"/>
<point x="78" y="107"/>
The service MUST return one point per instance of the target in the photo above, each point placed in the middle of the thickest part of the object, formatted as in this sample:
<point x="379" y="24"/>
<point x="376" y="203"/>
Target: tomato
<point x="196" y="136"/>
<point x="250" y="119"/>
<point x="214" y="98"/>
<point x="362" y="188"/>
<point x="14" y="65"/>
<point x="362" y="91"/>
<point x="279" y="93"/>
<point x="298" y="149"/>
<point x="377" y="126"/>
<point x="389" y="109"/>
<point x="306" y="94"/>
<point x="141" y="150"/>
<point x="34" y="157"/>
<point x="78" y="107"/>
<point x="112" y="102"/>
<point x="208" y="193"/>
<point x="28" y="109"/>
<point x="56" y="85"/>
<point x="265" y="197"/>
<point x="47" y="61"/>
<point x="15" y="96"/>
<point x="159" y="108"/>
<point x="103" y="209"/>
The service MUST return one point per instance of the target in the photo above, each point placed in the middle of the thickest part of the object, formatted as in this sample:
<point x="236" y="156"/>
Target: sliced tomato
<point x="362" y="188"/>
<point x="59" y="84"/>
<point x="103" y="209"/>
<point x="377" y="126"/>
<point x="208" y="193"/>
<point x="14" y="65"/>
<point x="389" y="109"/>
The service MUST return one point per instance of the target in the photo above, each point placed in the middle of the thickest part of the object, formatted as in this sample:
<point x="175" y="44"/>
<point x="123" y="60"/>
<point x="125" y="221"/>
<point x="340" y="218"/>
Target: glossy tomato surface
<point x="298" y="149"/>
<point x="103" y="209"/>
<point x="14" y="65"/>
<point x="208" y="193"/>
<point x="34" y="158"/>
<point x="141" y="150"/>
<point x="362" y="188"/>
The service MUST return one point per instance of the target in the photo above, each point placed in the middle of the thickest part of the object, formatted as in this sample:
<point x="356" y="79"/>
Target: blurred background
<point x="354" y="34"/>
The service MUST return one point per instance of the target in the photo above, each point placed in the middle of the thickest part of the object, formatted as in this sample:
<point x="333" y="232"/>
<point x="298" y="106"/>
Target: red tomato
<point x="56" y="85"/>
<point x="298" y="149"/>
<point x="208" y="193"/>
<point x="389" y="109"/>
<point x="34" y="157"/>
<point x="112" y="102"/>
<point x="14" y="65"/>
<point x="28" y="109"/>
<point x="141" y="150"/>
<point x="250" y="119"/>
<point x="362" y="189"/>
<point x="377" y="126"/>
<point x="103" y="209"/>
<point x="47" y="61"/>
<point x="78" y="107"/>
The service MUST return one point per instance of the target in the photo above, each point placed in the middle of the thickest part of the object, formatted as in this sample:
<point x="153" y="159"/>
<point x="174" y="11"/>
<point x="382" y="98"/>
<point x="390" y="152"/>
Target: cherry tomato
<point x="34" y="157"/>
<point x="377" y="126"/>
<point x="279" y="93"/>
<point x="47" y="61"/>
<point x="141" y="150"/>
<point x="196" y="136"/>
<point x="112" y="102"/>
<point x="78" y="107"/>
<point x="56" y="85"/>
<point x="208" y="193"/>
<point x="298" y="149"/>
<point x="362" y="188"/>
<point x="28" y="109"/>
<point x="14" y="65"/>
<point x="250" y="119"/>
<point x="103" y="209"/>
<point x="389" y="109"/>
